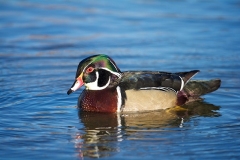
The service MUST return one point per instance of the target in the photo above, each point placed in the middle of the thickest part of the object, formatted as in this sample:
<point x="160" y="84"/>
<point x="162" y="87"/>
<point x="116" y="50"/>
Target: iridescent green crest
<point x="103" y="61"/>
<point x="97" y="61"/>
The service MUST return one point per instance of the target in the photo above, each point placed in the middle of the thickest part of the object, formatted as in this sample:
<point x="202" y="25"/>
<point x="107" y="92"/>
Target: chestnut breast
<point x="98" y="100"/>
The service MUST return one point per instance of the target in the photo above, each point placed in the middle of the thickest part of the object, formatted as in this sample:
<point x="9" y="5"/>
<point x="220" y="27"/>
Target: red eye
<point x="89" y="70"/>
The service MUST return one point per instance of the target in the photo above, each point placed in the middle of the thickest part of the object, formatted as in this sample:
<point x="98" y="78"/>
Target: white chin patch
<point x="94" y="85"/>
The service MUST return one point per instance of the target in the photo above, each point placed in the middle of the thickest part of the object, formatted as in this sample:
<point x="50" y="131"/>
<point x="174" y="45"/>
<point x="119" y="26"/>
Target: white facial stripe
<point x="113" y="64"/>
<point x="115" y="73"/>
<point x="86" y="67"/>
<point x="119" y="97"/>
<point x="94" y="85"/>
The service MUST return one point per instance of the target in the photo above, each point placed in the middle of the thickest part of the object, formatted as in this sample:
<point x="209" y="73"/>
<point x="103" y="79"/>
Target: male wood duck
<point x="107" y="89"/>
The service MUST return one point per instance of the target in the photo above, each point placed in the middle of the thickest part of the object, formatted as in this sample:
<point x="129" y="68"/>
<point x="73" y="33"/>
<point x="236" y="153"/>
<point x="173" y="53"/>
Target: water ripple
<point x="42" y="43"/>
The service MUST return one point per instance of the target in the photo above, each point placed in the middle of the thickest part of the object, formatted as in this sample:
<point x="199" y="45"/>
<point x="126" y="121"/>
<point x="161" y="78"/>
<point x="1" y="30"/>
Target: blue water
<point x="42" y="42"/>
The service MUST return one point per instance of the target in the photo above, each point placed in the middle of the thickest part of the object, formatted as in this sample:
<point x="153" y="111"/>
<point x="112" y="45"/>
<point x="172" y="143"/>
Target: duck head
<point x="96" y="73"/>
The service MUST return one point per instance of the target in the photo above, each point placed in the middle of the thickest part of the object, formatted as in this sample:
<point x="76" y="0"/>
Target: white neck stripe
<point x="94" y="85"/>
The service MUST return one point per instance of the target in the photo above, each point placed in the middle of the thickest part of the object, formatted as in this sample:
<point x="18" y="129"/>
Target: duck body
<point x="110" y="90"/>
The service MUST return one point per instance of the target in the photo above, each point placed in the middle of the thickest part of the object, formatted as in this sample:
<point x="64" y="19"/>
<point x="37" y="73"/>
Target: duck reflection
<point x="105" y="131"/>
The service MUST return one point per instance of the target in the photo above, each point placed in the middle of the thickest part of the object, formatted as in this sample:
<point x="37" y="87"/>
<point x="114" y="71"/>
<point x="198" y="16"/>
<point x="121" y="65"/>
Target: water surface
<point x="41" y="44"/>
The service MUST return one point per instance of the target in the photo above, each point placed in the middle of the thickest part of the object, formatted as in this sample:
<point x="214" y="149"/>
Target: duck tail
<point x="196" y="88"/>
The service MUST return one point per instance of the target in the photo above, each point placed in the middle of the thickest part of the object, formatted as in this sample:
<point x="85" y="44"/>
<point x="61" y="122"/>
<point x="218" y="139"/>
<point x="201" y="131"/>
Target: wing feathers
<point x="155" y="80"/>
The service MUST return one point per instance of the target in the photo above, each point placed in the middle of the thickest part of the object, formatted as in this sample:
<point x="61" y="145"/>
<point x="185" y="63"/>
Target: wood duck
<point x="107" y="89"/>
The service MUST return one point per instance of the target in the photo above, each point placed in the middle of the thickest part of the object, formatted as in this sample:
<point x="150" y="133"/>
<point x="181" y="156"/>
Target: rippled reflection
<point x="104" y="132"/>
